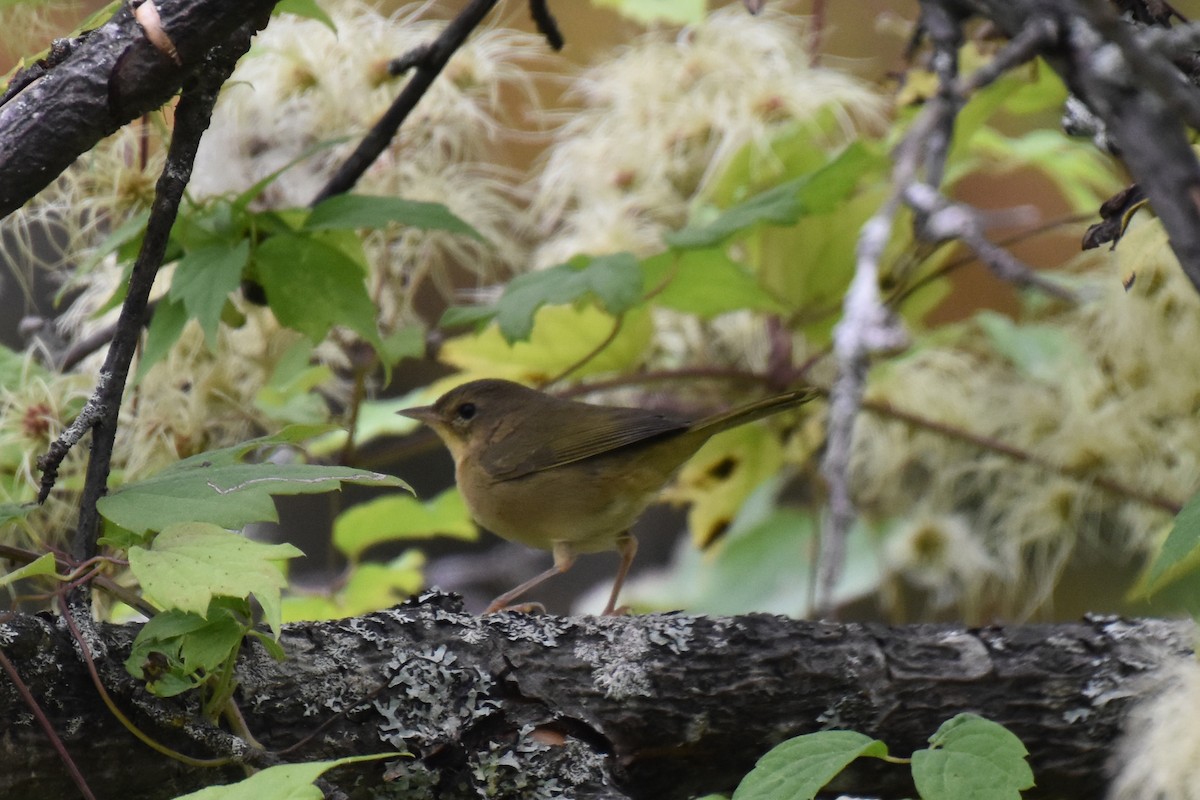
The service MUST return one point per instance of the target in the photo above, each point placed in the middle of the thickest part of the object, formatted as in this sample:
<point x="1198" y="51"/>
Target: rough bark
<point x="111" y="76"/>
<point x="661" y="706"/>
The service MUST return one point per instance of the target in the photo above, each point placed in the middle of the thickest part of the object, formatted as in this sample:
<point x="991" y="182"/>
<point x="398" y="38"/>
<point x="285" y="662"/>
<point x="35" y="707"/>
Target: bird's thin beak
<point x="424" y="414"/>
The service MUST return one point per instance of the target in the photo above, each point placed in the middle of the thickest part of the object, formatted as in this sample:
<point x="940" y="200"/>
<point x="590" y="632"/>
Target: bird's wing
<point x="616" y="428"/>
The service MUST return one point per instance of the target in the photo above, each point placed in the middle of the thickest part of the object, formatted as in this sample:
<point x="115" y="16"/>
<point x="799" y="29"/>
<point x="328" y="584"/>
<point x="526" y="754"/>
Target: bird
<point x="567" y="476"/>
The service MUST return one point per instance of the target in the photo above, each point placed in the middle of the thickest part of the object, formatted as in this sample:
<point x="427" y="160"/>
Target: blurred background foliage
<point x="664" y="215"/>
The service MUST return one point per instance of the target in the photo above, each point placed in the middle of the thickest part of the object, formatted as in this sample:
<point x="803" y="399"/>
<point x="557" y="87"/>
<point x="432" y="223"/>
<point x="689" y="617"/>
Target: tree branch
<point x="111" y="77"/>
<point x="103" y="407"/>
<point x="427" y="63"/>
<point x="638" y="707"/>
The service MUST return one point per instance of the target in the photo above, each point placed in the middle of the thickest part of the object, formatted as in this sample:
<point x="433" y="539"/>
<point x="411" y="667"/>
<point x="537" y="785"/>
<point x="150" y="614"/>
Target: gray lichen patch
<point x="532" y="770"/>
<point x="432" y="697"/>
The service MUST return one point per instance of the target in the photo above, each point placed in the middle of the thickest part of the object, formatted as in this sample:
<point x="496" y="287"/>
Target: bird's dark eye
<point x="466" y="411"/>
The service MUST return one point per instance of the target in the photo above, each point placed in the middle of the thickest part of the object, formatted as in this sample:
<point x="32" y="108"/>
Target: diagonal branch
<point x="109" y="78"/>
<point x="427" y="63"/>
<point x="103" y="407"/>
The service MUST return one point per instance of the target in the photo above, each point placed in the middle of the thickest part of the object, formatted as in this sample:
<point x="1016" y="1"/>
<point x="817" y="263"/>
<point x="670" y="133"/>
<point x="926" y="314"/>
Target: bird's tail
<point x="752" y="411"/>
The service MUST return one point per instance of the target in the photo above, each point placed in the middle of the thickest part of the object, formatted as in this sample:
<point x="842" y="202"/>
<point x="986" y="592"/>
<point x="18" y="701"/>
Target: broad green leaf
<point x="188" y="643"/>
<point x="705" y="282"/>
<point x="308" y="9"/>
<point x="779" y="205"/>
<point x="368" y="211"/>
<point x="401" y="518"/>
<point x="281" y="782"/>
<point x="188" y="563"/>
<point x="798" y="768"/>
<point x="562" y="336"/>
<point x="762" y="564"/>
<point x="165" y="327"/>
<point x="722" y="474"/>
<point x="378" y="418"/>
<point x="217" y="487"/>
<point x="203" y="280"/>
<point x="674" y="12"/>
<point x="972" y="757"/>
<point x="815" y="193"/>
<point x="1180" y="553"/>
<point x="369" y="587"/>
<point x="615" y="281"/>
<point x="230" y="496"/>
<point x="312" y="286"/>
<point x="42" y="565"/>
<point x="11" y="511"/>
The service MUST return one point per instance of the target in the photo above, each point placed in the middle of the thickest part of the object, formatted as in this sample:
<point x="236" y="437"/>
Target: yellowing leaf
<point x="719" y="478"/>
<point x="401" y="517"/>
<point x="562" y="336"/>
<point x="189" y="563"/>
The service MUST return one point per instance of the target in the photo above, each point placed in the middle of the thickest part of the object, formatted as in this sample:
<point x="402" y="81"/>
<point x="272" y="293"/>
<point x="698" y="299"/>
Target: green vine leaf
<point x="189" y="644"/>
<point x="401" y="517"/>
<point x="281" y="782"/>
<point x="349" y="211"/>
<point x="798" y="768"/>
<point x="216" y="487"/>
<point x="972" y="757"/>
<point x="312" y="286"/>
<point x="615" y="281"/>
<point x="42" y="565"/>
<point x="191" y="562"/>
<point x="204" y="279"/>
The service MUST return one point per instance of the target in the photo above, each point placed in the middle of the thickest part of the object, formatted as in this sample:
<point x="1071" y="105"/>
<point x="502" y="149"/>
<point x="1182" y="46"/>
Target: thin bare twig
<point x="426" y="66"/>
<point x="546" y="24"/>
<point x="43" y="722"/>
<point x="102" y="409"/>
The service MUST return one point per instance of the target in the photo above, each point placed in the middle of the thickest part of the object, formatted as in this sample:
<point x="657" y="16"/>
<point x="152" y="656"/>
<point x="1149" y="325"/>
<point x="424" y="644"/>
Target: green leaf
<point x="203" y="280"/>
<point x="404" y="343"/>
<point x="312" y="286"/>
<point x="188" y="563"/>
<point x="799" y="767"/>
<point x="705" y="283"/>
<point x="816" y="193"/>
<point x="281" y="782"/>
<point x="368" y="211"/>
<point x="369" y="587"/>
<point x="42" y="565"/>
<point x="230" y="496"/>
<point x="11" y="511"/>
<point x="217" y="487"/>
<point x="165" y="327"/>
<point x="972" y="757"/>
<point x="288" y="395"/>
<point x="563" y="336"/>
<point x="466" y="317"/>
<point x="672" y="12"/>
<point x="614" y="280"/>
<point x="189" y="643"/>
<point x="1180" y="553"/>
<point x="307" y="9"/>
<point x="401" y="518"/>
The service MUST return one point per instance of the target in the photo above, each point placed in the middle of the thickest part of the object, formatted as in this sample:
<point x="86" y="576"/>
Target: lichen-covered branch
<point x="661" y="706"/>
